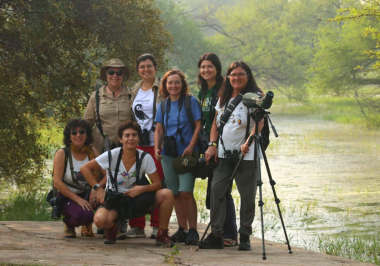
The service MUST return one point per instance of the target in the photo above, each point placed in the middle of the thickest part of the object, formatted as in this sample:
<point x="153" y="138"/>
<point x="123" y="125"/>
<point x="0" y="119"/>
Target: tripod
<point x="256" y="116"/>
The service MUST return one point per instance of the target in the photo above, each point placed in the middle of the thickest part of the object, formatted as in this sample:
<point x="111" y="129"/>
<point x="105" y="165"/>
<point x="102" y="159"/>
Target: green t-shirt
<point x="206" y="107"/>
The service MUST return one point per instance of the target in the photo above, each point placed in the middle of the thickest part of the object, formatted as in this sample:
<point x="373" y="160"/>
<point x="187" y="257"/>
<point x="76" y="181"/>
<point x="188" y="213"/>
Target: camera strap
<point x="154" y="108"/>
<point x="228" y="110"/>
<point x="113" y="179"/>
<point x="138" y="166"/>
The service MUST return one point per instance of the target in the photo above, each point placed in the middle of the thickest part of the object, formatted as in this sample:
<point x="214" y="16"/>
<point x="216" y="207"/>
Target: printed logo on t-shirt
<point x="205" y="105"/>
<point x="79" y="176"/>
<point x="139" y="112"/>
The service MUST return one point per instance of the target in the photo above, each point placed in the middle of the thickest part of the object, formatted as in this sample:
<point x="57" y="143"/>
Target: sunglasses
<point x="118" y="72"/>
<point x="81" y="132"/>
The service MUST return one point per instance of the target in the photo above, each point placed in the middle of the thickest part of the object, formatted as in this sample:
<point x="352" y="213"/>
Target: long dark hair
<point x="216" y="62"/>
<point x="226" y="89"/>
<point x="73" y="124"/>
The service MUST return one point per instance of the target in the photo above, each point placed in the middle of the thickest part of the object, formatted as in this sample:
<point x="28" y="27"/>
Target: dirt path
<point x="42" y="243"/>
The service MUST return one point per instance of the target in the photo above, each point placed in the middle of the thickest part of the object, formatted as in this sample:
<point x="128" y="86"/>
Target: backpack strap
<point x="138" y="165"/>
<point x="113" y="179"/>
<point x="188" y="111"/>
<point x="154" y="107"/>
<point x="214" y="101"/>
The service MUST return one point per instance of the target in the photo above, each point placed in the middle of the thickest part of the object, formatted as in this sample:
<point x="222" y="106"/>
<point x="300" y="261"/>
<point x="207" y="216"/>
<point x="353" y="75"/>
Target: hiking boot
<point x="163" y="238"/>
<point x="153" y="235"/>
<point x="192" y="237"/>
<point x="244" y="244"/>
<point x="86" y="230"/>
<point x="179" y="236"/>
<point x="136" y="232"/>
<point x="69" y="231"/>
<point x="110" y="234"/>
<point x="212" y="242"/>
<point x="121" y="229"/>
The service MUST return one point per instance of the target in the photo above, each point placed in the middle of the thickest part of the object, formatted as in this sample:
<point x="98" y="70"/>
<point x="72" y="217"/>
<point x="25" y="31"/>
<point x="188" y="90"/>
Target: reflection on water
<point x="327" y="180"/>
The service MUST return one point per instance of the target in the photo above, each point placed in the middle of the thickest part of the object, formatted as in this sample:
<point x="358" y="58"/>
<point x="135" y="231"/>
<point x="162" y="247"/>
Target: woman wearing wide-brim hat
<point x="114" y="104"/>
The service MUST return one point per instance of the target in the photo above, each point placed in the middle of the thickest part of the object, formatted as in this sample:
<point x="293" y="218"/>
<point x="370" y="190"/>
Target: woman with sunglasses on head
<point x="176" y="132"/>
<point x="145" y="101"/>
<point x="126" y="180"/>
<point x="210" y="80"/>
<point x="70" y="183"/>
<point x="238" y="127"/>
<point x="108" y="108"/>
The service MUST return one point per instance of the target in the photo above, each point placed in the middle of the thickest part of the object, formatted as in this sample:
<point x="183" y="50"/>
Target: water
<point x="327" y="181"/>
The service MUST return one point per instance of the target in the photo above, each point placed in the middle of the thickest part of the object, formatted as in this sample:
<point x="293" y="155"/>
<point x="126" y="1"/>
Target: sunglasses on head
<point x="119" y="73"/>
<point x="81" y="132"/>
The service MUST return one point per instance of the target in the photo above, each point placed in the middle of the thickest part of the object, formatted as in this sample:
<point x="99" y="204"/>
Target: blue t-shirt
<point x="171" y="121"/>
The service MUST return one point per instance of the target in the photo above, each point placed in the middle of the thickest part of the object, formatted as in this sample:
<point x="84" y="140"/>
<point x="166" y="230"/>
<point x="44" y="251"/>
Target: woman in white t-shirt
<point x="146" y="198"/>
<point x="232" y="142"/>
<point x="145" y="101"/>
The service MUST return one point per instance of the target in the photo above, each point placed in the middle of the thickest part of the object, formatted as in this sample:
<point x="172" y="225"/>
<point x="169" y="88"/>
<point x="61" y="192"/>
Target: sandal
<point x="229" y="242"/>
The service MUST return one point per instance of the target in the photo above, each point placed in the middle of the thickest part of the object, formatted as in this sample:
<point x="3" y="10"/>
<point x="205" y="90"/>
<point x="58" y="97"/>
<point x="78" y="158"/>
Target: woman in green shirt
<point x="210" y="80"/>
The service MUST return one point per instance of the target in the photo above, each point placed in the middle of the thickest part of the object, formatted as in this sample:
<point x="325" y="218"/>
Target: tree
<point x="51" y="52"/>
<point x="347" y="58"/>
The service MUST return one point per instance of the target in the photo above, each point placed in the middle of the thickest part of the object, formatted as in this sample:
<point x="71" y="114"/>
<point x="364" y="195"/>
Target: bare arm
<point x="137" y="190"/>
<point x="158" y="138"/>
<point x="59" y="166"/>
<point x="194" y="139"/>
<point x="87" y="171"/>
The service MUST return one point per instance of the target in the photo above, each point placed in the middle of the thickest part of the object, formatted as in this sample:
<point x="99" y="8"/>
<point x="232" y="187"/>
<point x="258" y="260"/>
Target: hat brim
<point x="192" y="162"/>
<point x="103" y="74"/>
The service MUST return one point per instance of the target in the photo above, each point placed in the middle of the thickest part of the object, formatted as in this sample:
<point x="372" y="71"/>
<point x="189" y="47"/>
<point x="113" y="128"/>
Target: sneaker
<point x="163" y="238"/>
<point x="69" y="232"/>
<point x="244" y="244"/>
<point x="86" y="230"/>
<point x="192" y="237"/>
<point x="153" y="235"/>
<point x="110" y="234"/>
<point x="121" y="229"/>
<point x="212" y="242"/>
<point x="179" y="236"/>
<point x="136" y="232"/>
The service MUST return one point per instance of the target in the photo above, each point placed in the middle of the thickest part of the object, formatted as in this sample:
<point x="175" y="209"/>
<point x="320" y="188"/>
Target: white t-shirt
<point x="125" y="179"/>
<point x="143" y="109"/>
<point x="78" y="176"/>
<point x="235" y="130"/>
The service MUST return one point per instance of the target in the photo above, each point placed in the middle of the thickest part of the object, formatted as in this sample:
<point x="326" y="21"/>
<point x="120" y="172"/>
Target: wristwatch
<point x="95" y="187"/>
<point x="212" y="143"/>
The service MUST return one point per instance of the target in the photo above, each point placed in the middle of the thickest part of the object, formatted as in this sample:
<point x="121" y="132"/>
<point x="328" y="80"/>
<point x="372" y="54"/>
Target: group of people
<point x="151" y="130"/>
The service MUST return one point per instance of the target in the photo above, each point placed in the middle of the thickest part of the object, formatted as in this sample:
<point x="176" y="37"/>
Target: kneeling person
<point x="129" y="194"/>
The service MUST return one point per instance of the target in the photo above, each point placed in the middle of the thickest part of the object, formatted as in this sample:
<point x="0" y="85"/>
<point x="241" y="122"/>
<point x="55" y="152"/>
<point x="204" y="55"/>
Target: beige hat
<point x="114" y="63"/>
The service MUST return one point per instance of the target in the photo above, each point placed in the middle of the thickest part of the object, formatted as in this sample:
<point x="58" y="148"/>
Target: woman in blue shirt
<point x="175" y="125"/>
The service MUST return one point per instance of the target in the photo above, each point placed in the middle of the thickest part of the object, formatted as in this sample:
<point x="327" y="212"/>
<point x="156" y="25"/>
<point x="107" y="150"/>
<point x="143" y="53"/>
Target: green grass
<point x="25" y="206"/>
<point x="355" y="247"/>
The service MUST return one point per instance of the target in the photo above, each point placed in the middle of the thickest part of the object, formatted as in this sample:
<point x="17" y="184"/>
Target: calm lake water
<point x="327" y="178"/>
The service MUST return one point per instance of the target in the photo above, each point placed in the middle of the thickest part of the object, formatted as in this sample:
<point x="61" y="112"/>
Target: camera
<point x="170" y="146"/>
<point x="144" y="140"/>
<point x="231" y="157"/>
<point x="56" y="204"/>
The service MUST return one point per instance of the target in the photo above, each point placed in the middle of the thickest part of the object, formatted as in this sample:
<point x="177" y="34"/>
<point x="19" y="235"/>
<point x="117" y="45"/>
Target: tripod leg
<point x="261" y="203"/>
<point x="277" y="200"/>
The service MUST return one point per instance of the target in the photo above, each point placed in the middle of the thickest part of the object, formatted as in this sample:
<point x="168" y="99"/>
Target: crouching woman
<point x="129" y="194"/>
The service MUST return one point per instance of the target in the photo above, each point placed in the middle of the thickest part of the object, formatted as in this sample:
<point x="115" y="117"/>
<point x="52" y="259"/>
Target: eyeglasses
<point x="81" y="132"/>
<point x="240" y="75"/>
<point x="146" y="66"/>
<point x="118" y="72"/>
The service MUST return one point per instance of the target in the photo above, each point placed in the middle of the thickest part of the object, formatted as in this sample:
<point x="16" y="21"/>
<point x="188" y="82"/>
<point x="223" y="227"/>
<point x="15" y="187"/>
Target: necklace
<point x="113" y="92"/>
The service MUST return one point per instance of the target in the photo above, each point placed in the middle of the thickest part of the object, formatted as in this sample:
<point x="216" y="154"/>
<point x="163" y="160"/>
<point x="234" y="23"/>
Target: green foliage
<point x="189" y="42"/>
<point x="26" y="206"/>
<point x="50" y="55"/>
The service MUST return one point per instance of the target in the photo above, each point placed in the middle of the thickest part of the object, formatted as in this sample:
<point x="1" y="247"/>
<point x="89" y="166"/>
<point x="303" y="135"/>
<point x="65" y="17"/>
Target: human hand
<point x="84" y="204"/>
<point x="134" y="192"/>
<point x="211" y="152"/>
<point x="100" y="195"/>
<point x="92" y="199"/>
<point x="188" y="151"/>
<point x="157" y="154"/>
<point x="244" y="148"/>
